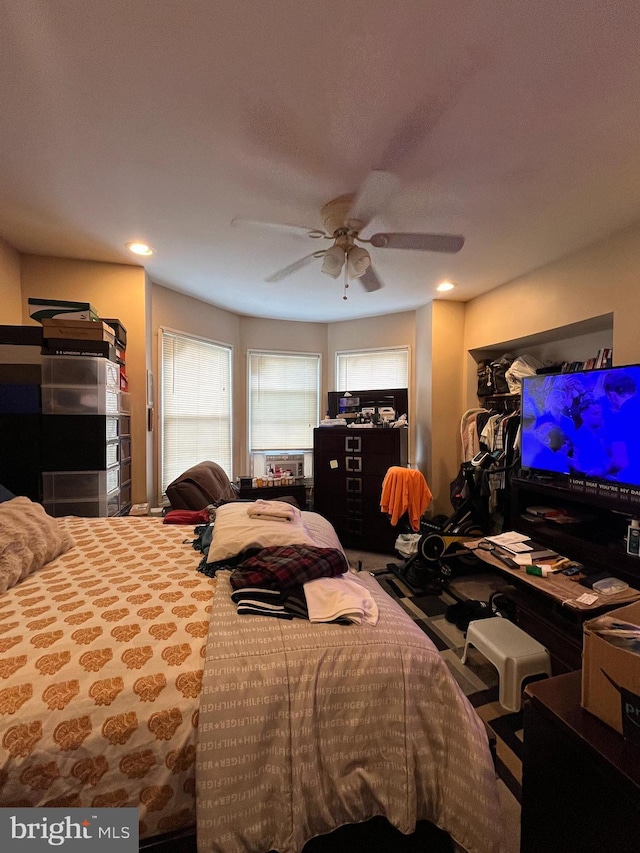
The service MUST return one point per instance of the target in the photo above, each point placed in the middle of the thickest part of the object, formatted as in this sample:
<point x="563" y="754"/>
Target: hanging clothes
<point x="469" y="436"/>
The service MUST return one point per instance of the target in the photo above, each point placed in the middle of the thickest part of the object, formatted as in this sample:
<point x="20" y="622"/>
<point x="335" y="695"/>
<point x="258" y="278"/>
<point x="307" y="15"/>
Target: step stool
<point x="514" y="654"/>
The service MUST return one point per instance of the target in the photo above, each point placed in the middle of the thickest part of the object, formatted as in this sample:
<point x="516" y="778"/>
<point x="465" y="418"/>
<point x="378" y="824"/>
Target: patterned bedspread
<point x="101" y="656"/>
<point x="305" y="727"/>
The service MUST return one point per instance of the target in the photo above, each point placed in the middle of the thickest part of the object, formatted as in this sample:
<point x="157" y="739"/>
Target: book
<point x="558" y="516"/>
<point x="544" y="511"/>
<point x="541" y="553"/>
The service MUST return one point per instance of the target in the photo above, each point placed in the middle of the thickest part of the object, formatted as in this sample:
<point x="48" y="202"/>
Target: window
<point x="284" y="396"/>
<point x="196" y="404"/>
<point x="367" y="370"/>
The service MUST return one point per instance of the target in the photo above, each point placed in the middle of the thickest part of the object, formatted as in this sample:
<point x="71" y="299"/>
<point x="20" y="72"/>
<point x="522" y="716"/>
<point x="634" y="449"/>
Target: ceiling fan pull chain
<point x="346" y="279"/>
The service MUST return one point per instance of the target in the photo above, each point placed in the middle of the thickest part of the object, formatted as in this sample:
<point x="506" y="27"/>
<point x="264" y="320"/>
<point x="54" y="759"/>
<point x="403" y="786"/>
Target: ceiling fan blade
<point x="296" y="265"/>
<point x="451" y="243"/>
<point x="377" y="189"/>
<point x="370" y="280"/>
<point x="279" y="226"/>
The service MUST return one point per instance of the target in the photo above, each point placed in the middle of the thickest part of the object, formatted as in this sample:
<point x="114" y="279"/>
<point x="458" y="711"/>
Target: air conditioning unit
<point x="300" y="463"/>
<point x="293" y="462"/>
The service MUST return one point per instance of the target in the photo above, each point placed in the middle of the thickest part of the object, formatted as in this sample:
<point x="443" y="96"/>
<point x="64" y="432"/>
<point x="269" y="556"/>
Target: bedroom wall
<point x="182" y="313"/>
<point x="114" y="290"/>
<point x="390" y="330"/>
<point x="282" y="336"/>
<point x="600" y="280"/>
<point x="439" y="373"/>
<point x="10" y="295"/>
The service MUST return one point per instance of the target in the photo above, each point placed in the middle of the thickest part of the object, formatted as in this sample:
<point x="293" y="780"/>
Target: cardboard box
<point x="47" y="309"/>
<point x="118" y="328"/>
<point x="611" y="675"/>
<point x="83" y="330"/>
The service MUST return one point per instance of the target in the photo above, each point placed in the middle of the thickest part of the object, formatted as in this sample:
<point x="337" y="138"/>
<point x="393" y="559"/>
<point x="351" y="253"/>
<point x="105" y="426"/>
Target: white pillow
<point x="234" y="531"/>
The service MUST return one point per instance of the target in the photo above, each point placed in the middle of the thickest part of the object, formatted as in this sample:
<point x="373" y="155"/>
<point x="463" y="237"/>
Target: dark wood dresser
<point x="580" y="778"/>
<point x="254" y="493"/>
<point x="348" y="469"/>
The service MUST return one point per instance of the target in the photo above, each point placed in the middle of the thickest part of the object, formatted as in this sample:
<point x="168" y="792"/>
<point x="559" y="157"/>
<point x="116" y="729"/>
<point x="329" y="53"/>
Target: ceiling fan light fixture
<point x="333" y="261"/>
<point x="444" y="286"/>
<point x="358" y="261"/>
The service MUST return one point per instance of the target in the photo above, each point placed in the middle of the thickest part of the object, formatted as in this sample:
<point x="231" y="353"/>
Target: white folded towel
<point x="273" y="510"/>
<point x="343" y="597"/>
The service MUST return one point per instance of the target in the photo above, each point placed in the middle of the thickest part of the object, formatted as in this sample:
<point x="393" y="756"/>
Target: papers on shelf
<point x="520" y="543"/>
<point x="511" y="541"/>
<point x="522" y="559"/>
<point x="517" y="547"/>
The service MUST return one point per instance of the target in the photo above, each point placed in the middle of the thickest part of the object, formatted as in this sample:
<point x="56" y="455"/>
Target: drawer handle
<point x="353" y="463"/>
<point x="354" y="485"/>
<point x="353" y="444"/>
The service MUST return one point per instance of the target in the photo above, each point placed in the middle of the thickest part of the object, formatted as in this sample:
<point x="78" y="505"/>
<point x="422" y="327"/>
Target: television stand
<point x="597" y="539"/>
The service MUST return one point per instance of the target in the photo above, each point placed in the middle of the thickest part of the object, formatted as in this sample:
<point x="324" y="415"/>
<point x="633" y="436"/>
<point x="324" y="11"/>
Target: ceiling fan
<point x="343" y="219"/>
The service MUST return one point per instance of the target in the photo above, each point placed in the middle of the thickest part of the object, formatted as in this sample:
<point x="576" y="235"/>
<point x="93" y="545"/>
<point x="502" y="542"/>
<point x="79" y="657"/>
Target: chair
<point x="203" y="484"/>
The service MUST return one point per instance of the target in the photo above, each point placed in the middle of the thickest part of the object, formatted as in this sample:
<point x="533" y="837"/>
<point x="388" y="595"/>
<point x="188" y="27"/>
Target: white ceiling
<point x="515" y="123"/>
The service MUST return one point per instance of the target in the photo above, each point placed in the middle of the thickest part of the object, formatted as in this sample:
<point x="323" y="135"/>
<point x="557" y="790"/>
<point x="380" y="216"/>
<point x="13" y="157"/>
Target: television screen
<point x="584" y="423"/>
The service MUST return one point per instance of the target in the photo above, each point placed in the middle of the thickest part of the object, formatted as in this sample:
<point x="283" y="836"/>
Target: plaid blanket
<point x="287" y="566"/>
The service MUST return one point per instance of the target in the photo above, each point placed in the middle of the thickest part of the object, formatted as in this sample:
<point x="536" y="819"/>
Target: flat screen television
<point x="584" y="426"/>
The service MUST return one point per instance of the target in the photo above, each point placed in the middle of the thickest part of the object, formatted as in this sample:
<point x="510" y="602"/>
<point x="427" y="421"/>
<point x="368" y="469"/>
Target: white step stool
<point x="515" y="655"/>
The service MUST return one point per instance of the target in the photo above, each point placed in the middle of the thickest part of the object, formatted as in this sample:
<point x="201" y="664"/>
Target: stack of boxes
<point x="86" y="425"/>
<point x="20" y="378"/>
<point x="120" y="347"/>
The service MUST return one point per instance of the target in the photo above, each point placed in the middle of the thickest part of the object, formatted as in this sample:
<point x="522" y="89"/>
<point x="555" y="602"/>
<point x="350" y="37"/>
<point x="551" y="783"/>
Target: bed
<point x="129" y="678"/>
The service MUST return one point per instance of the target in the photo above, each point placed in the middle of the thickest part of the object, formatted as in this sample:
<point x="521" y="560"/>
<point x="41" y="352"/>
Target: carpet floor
<point x="478" y="678"/>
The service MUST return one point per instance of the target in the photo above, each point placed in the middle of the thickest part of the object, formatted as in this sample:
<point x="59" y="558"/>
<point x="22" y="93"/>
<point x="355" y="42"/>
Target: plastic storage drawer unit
<point x="83" y="400"/>
<point x="101" y="508"/>
<point x="78" y="370"/>
<point x="79" y="485"/>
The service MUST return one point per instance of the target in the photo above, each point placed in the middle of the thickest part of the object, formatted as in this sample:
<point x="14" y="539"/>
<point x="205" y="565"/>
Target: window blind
<point x="196" y="404"/>
<point x="284" y="394"/>
<point x="366" y="370"/>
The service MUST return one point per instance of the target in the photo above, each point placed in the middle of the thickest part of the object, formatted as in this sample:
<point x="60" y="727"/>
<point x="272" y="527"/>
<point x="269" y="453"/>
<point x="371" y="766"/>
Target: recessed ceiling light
<point x="139" y="248"/>
<point x="446" y="285"/>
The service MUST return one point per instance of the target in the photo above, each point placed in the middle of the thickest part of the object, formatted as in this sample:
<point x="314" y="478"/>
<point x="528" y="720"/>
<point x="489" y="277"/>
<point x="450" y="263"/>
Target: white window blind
<point x="367" y="370"/>
<point x="196" y="404"/>
<point x="284" y="394"/>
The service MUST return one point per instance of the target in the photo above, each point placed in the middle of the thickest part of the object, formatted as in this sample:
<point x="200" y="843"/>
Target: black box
<point x="30" y="336"/>
<point x="74" y="442"/>
<point x="25" y="374"/>
<point x="20" y="455"/>
<point x="64" y="346"/>
<point x="20" y="398"/>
